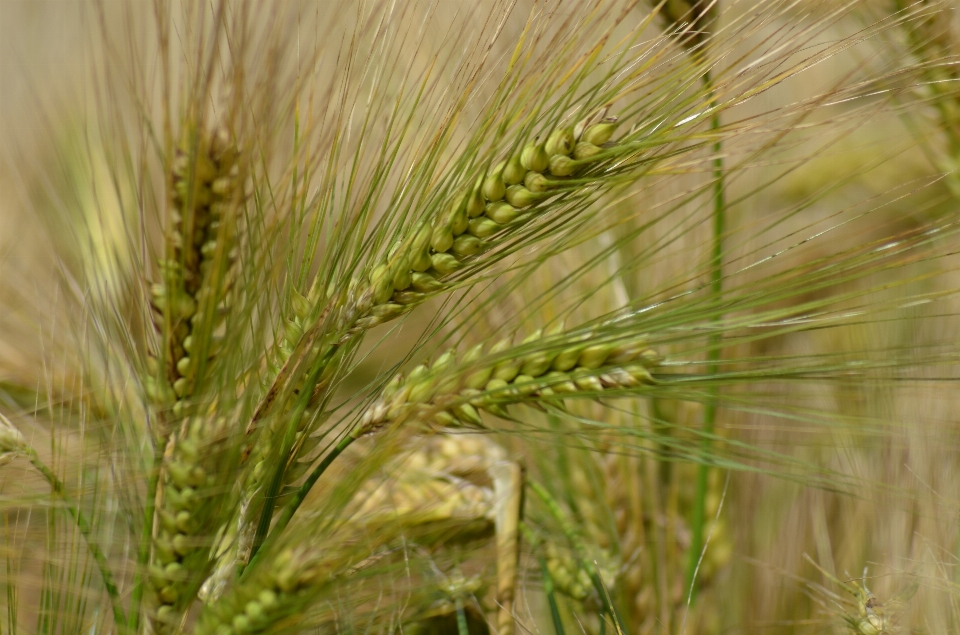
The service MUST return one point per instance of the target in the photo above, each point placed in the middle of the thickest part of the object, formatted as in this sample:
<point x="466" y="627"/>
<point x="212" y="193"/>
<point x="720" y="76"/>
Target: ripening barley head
<point x="460" y="317"/>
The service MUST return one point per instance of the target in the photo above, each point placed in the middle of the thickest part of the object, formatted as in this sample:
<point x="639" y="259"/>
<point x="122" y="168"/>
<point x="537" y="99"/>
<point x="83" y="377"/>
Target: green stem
<point x="574" y="537"/>
<point x="698" y="521"/>
<point x="301" y="494"/>
<point x="551" y="598"/>
<point x="606" y="601"/>
<point x="296" y="414"/>
<point x="462" y="628"/>
<point x="558" y="514"/>
<point x="84" y="526"/>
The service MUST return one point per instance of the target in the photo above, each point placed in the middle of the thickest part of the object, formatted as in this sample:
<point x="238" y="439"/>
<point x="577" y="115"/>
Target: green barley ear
<point x="436" y="254"/>
<point x="581" y="569"/>
<point x="542" y="370"/>
<point x="277" y="593"/>
<point x="480" y="218"/>
<point x="206" y="190"/>
<point x="194" y="497"/>
<point x="927" y="31"/>
<point x="863" y="611"/>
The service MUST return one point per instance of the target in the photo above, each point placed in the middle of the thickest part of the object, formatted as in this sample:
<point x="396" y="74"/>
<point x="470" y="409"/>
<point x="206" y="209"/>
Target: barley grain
<point x="454" y="392"/>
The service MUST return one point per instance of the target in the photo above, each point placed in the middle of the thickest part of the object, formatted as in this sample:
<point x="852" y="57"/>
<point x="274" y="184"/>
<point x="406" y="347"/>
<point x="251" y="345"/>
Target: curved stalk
<point x="84" y="526"/>
<point x="273" y="490"/>
<point x="301" y="495"/>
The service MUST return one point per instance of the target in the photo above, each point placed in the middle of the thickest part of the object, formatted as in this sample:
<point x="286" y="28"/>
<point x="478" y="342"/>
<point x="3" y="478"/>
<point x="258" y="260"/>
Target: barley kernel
<point x="519" y="196"/>
<point x="254" y="611"/>
<point x="403" y="278"/>
<point x="567" y="359"/>
<point x="475" y="203"/>
<point x="387" y="311"/>
<point x="442" y="238"/>
<point x="599" y="133"/>
<point x="484" y="227"/>
<point x="594" y="356"/>
<point x="561" y="165"/>
<point x="560" y="142"/>
<point x="184" y="366"/>
<point x="181" y="544"/>
<point x="241" y="624"/>
<point x="585" y="151"/>
<point x="495" y="384"/>
<point x="533" y="157"/>
<point x="426" y="282"/>
<point x="466" y="245"/>
<point x="458" y="219"/>
<point x="268" y="599"/>
<point x="169" y="594"/>
<point x="514" y="171"/>
<point x="493" y="186"/>
<point x="478" y="379"/>
<point x="445" y="263"/>
<point x="506" y="370"/>
<point x="536" y="182"/>
<point x="502" y="212"/>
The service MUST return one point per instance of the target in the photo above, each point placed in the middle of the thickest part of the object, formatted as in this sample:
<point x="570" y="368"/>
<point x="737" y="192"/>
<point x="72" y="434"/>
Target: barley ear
<point x="539" y="370"/>
<point x="196" y="274"/>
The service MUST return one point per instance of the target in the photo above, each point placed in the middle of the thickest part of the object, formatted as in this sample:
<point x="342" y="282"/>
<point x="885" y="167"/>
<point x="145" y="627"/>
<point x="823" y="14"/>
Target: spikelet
<point x="571" y="569"/>
<point x="12" y="442"/>
<point x="276" y="591"/>
<point x="876" y="616"/>
<point x="569" y="577"/>
<point x="206" y="189"/>
<point x="189" y="514"/>
<point x="542" y="369"/>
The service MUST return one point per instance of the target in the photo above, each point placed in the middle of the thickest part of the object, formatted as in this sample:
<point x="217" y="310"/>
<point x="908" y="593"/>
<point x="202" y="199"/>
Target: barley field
<point x="502" y="317"/>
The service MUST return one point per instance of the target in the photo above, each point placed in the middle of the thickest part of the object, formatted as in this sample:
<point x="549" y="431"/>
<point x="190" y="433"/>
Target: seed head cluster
<point x="542" y="369"/>
<point x="190" y="300"/>
<point x="477" y="220"/>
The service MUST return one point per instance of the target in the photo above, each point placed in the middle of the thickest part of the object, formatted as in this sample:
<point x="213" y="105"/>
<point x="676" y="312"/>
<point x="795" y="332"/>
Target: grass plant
<point x="491" y="317"/>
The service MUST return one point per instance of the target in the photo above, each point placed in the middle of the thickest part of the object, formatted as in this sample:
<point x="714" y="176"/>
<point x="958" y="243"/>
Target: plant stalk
<point x="301" y="494"/>
<point x="551" y="598"/>
<point x="296" y="414"/>
<point x="84" y="526"/>
<point x="698" y="520"/>
<point x="462" y="628"/>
